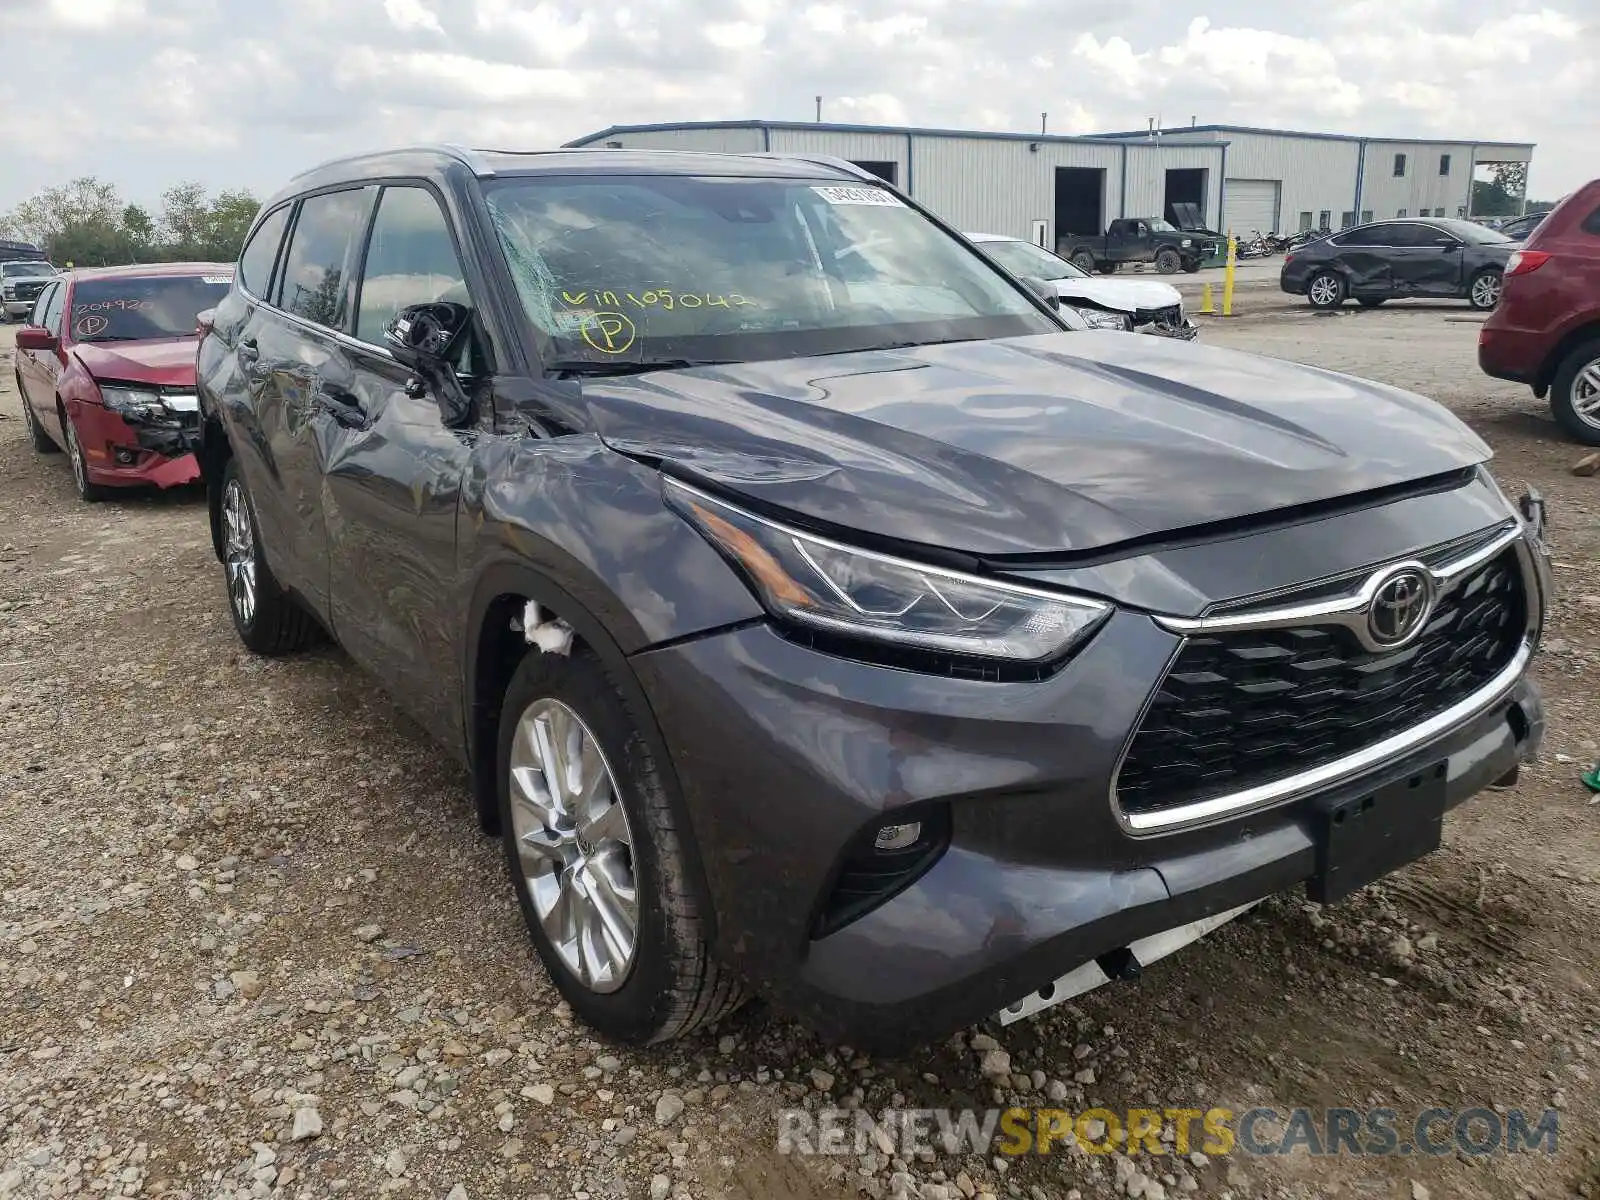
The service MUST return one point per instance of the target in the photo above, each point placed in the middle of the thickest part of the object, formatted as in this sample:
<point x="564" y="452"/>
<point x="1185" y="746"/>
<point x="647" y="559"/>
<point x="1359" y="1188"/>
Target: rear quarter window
<point x="259" y="254"/>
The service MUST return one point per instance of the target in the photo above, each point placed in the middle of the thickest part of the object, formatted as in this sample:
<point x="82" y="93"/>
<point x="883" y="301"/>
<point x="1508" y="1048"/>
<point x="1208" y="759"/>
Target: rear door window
<point x="315" y="281"/>
<point x="256" y="262"/>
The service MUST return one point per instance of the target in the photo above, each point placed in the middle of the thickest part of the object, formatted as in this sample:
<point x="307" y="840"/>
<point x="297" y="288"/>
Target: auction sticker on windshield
<point x="859" y="195"/>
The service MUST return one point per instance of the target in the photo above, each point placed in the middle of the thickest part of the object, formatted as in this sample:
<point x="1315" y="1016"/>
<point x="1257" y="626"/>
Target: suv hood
<point x="166" y="363"/>
<point x="1122" y="295"/>
<point x="1039" y="445"/>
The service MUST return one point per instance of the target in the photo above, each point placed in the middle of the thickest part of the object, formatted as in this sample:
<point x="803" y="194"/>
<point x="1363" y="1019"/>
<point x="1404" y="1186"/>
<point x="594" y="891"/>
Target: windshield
<point x="1160" y="226"/>
<point x="1471" y="231"/>
<point x="620" y="270"/>
<point x="25" y="270"/>
<point x="1024" y="258"/>
<point x="133" y="309"/>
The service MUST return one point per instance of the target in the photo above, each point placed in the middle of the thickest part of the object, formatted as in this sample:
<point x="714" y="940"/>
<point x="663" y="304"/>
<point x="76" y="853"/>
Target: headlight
<point x="131" y="401"/>
<point x="1187" y="242"/>
<point x="9" y="292"/>
<point x="813" y="582"/>
<point x="1099" y="318"/>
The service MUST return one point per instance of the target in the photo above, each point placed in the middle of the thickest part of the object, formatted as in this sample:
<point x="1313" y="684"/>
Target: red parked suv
<point x="1546" y="331"/>
<point x="105" y="367"/>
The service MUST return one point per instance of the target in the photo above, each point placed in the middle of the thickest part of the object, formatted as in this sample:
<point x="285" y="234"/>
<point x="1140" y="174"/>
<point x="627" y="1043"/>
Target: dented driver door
<point x="392" y="478"/>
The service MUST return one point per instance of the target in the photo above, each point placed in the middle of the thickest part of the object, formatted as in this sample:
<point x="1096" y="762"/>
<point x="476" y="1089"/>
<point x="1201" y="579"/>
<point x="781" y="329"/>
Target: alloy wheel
<point x="1586" y="394"/>
<point x="1324" y="289"/>
<point x="80" y="469"/>
<point x="574" y="844"/>
<point x="239" y="551"/>
<point x="1486" y="290"/>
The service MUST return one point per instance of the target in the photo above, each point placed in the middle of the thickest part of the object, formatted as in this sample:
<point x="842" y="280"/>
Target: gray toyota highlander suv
<point x="815" y="613"/>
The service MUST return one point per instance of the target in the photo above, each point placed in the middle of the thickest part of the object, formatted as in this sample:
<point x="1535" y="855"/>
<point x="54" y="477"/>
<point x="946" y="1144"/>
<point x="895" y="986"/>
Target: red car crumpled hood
<point x="165" y="363"/>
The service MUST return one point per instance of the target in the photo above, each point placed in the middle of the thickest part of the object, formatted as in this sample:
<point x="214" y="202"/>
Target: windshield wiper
<point x="896" y="346"/>
<point x="568" y="367"/>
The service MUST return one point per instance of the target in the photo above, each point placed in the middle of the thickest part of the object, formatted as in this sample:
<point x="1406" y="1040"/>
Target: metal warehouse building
<point x="1042" y="186"/>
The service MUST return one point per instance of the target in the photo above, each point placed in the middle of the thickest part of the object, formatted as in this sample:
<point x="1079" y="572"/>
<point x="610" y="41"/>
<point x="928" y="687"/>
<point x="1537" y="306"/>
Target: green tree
<point x="183" y="219"/>
<point x="140" y="231"/>
<point x="85" y="222"/>
<point x="227" y="222"/>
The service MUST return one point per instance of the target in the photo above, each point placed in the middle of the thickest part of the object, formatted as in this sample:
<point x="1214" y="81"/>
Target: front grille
<point x="1242" y="708"/>
<point x="1170" y="316"/>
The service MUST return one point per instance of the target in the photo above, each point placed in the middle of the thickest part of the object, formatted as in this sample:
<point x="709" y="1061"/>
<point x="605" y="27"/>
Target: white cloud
<point x="245" y="92"/>
<point x="412" y="15"/>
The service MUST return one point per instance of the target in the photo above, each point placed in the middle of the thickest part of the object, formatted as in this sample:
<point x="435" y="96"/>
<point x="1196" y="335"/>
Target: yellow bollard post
<point x="1227" y="277"/>
<point x="1206" y="306"/>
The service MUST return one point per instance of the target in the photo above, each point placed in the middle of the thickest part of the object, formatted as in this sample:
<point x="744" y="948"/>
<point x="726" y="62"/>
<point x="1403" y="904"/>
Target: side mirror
<point x="1042" y="290"/>
<point x="426" y="337"/>
<point x="36" y="337"/>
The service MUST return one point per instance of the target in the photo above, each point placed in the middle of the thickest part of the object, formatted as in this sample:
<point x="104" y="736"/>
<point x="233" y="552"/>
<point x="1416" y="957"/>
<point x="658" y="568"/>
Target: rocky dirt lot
<point x="251" y="943"/>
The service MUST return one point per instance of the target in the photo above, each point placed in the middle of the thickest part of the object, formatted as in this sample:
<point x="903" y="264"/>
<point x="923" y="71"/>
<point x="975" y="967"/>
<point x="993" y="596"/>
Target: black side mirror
<point x="1042" y="290"/>
<point x="427" y="340"/>
<point x="423" y="335"/>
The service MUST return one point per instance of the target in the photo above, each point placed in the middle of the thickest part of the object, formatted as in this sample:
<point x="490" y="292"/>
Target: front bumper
<point x="18" y="308"/>
<point x="124" y="452"/>
<point x="1184" y="330"/>
<point x="787" y="755"/>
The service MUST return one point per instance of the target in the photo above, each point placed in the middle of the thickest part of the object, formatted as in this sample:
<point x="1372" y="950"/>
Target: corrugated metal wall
<point x="1318" y="174"/>
<point x="1423" y="189"/>
<point x="1000" y="186"/>
<point x="857" y="147"/>
<point x="1148" y="164"/>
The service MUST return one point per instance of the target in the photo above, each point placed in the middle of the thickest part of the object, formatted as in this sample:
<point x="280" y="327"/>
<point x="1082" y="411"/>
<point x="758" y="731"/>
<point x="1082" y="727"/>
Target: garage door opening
<point x="1185" y="185"/>
<point x="885" y="171"/>
<point x="1080" y="201"/>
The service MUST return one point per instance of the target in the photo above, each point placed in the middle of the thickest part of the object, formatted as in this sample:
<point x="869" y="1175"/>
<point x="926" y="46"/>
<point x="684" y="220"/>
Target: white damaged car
<point x="1139" y="305"/>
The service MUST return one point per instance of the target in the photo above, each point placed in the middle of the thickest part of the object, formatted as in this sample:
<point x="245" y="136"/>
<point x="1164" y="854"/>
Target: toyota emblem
<point x="1400" y="607"/>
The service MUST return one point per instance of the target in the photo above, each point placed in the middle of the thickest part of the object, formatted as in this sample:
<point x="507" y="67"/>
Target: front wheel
<point x="1168" y="262"/>
<point x="268" y="620"/>
<point x="88" y="491"/>
<point x="1326" y="290"/>
<point x="1484" y="291"/>
<point x="596" y="858"/>
<point x="1575" y="393"/>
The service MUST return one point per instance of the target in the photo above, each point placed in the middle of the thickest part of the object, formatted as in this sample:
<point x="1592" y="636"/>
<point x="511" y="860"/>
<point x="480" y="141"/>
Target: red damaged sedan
<point x="105" y="366"/>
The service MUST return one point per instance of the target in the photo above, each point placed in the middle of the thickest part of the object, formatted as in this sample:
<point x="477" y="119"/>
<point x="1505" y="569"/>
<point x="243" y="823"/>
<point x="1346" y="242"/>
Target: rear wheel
<point x="267" y="619"/>
<point x="1084" y="261"/>
<point x="36" y="435"/>
<point x="1484" y="291"/>
<point x="1168" y="261"/>
<point x="1575" y="393"/>
<point x="596" y="859"/>
<point x="1326" y="290"/>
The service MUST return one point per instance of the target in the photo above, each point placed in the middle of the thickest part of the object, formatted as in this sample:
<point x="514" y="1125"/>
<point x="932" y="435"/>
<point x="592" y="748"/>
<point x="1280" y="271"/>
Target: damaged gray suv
<point x="815" y="613"/>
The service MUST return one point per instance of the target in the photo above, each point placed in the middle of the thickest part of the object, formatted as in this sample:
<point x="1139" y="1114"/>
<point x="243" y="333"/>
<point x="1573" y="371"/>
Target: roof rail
<point x="467" y="158"/>
<point x="822" y="160"/>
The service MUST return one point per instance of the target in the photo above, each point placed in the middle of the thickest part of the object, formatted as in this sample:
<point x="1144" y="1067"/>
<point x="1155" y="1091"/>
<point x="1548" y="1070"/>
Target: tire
<point x="1106" y="268"/>
<point x="88" y="492"/>
<point x="1575" y="393"/>
<point x="1483" y="293"/>
<point x="1168" y="262"/>
<point x="1084" y="261"/>
<point x="1325" y="290"/>
<point x="267" y="619"/>
<point x="666" y="984"/>
<point x="39" y="439"/>
<point x="1370" y="301"/>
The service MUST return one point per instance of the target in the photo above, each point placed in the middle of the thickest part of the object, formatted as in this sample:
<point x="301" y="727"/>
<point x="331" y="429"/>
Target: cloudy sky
<point x="241" y="93"/>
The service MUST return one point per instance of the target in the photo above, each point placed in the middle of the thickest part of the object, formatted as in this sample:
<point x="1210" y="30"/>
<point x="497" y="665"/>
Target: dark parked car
<point x="1137" y="239"/>
<point x="814" y="613"/>
<point x="1390" y="260"/>
<point x="1546" y="332"/>
<point x="1519" y="228"/>
<point x="105" y="367"/>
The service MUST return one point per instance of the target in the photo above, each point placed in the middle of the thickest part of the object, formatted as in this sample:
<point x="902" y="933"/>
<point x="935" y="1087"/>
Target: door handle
<point x="344" y="410"/>
<point x="248" y="350"/>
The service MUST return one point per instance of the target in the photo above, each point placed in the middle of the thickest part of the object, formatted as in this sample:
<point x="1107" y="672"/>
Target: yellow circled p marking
<point x="609" y="332"/>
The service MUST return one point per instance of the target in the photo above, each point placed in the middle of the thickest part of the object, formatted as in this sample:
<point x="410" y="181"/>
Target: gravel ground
<point x="251" y="943"/>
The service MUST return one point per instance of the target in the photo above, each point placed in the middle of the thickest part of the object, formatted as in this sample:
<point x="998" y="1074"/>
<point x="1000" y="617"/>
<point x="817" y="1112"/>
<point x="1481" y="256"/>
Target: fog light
<point x="897" y="837"/>
<point x="123" y="455"/>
